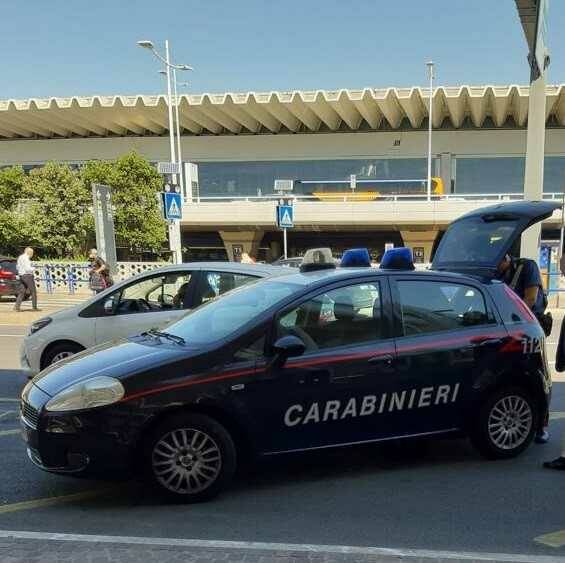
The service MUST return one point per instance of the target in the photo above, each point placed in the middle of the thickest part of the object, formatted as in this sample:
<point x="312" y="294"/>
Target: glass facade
<point x="489" y="175"/>
<point x="504" y="175"/>
<point x="257" y="178"/>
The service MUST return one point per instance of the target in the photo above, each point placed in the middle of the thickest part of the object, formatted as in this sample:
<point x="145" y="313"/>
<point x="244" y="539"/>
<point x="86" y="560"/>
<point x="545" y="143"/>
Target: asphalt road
<point x="437" y="495"/>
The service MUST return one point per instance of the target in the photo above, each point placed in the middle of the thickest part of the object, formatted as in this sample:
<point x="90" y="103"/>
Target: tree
<point x="134" y="182"/>
<point x="61" y="213"/>
<point x="12" y="224"/>
<point x="12" y="181"/>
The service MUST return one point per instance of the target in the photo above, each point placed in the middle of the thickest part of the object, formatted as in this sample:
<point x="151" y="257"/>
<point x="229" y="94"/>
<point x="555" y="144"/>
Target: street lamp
<point x="430" y="66"/>
<point x="174" y="230"/>
<point x="179" y="154"/>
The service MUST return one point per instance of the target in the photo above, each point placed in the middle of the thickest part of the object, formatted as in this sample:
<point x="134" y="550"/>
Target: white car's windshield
<point x="220" y="317"/>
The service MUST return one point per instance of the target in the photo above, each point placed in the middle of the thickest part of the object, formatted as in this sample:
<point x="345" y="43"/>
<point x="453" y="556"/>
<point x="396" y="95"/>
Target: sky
<point x="87" y="47"/>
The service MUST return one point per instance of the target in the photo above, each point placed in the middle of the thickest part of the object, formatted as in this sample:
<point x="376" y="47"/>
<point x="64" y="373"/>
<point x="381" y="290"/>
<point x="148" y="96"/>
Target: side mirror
<point x="109" y="306"/>
<point x="287" y="347"/>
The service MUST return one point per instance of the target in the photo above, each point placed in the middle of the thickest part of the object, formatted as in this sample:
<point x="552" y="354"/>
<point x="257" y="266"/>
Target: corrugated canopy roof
<point x="275" y="112"/>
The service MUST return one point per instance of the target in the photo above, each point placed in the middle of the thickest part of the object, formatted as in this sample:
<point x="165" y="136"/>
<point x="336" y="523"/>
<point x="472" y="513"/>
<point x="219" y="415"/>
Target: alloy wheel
<point x="510" y="422"/>
<point x="186" y="461"/>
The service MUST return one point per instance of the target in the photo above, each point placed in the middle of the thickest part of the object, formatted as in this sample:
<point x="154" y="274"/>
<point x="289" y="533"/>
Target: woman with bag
<point x="100" y="277"/>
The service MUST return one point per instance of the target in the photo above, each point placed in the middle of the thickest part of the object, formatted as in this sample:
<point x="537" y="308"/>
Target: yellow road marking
<point x="10" y="432"/>
<point x="51" y="501"/>
<point x="554" y="539"/>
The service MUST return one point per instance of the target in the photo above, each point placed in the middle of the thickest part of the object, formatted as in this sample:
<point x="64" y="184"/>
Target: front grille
<point x="29" y="414"/>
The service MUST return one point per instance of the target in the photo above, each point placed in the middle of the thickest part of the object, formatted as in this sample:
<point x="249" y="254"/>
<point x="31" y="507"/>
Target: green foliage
<point x="51" y="208"/>
<point x="134" y="183"/>
<point x="13" y="226"/>
<point x="61" y="216"/>
<point x="11" y="186"/>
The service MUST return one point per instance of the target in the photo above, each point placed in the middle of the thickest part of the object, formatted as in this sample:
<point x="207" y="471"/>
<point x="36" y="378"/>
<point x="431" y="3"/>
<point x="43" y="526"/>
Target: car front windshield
<point x="475" y="241"/>
<point x="220" y="317"/>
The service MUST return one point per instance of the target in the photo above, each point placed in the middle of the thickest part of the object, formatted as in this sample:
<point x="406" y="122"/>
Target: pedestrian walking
<point x="26" y="275"/>
<point x="100" y="277"/>
<point x="523" y="276"/>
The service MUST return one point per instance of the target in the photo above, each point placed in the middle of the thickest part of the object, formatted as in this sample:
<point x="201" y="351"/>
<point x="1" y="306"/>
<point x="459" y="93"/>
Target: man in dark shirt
<point x="524" y="277"/>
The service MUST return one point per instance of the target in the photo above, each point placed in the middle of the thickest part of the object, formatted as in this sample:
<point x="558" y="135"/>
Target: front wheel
<point x="190" y="457"/>
<point x="505" y="424"/>
<point x="61" y="352"/>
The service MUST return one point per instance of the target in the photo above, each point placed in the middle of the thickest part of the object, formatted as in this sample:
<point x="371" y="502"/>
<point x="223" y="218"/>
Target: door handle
<point x="488" y="342"/>
<point x="385" y="359"/>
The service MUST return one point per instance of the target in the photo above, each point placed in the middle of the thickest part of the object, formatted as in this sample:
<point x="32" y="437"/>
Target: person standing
<point x="26" y="274"/>
<point x="524" y="278"/>
<point x="100" y="277"/>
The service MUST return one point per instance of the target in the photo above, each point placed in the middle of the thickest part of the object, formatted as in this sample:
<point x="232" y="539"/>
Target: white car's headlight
<point x="95" y="392"/>
<point x="38" y="325"/>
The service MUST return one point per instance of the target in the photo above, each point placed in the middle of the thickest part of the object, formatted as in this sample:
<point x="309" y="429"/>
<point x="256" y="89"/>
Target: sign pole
<point x="285" y="243"/>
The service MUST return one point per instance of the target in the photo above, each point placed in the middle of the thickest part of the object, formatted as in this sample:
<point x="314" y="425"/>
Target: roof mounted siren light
<point x="398" y="259"/>
<point x="356" y="258"/>
<point x="317" y="259"/>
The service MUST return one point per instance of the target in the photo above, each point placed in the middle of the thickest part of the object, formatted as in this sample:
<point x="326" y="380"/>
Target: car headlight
<point x="95" y="392"/>
<point x="38" y="325"/>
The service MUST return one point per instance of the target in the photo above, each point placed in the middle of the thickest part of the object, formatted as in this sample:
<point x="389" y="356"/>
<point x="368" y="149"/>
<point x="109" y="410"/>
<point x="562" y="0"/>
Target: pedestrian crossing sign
<point x="285" y="216"/>
<point x="172" y="205"/>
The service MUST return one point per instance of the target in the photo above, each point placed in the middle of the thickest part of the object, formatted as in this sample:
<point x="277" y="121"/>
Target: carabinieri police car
<point x="319" y="358"/>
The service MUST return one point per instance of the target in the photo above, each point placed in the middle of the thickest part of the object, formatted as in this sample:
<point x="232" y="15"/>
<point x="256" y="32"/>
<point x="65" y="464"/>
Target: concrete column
<point x="241" y="241"/>
<point x="535" y="152"/>
<point x="420" y="241"/>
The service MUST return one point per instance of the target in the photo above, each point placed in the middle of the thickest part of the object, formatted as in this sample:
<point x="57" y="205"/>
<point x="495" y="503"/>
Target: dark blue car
<point x="326" y="358"/>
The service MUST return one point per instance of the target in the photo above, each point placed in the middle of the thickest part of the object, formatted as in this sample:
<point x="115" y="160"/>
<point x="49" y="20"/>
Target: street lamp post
<point x="177" y="132"/>
<point x="430" y="66"/>
<point x="174" y="226"/>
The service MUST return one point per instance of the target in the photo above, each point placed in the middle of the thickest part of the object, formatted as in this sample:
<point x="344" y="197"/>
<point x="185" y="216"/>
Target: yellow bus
<point x="367" y="190"/>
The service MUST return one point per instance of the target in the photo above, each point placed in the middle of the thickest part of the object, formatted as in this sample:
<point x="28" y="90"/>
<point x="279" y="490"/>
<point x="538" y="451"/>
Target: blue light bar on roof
<point x="356" y="258"/>
<point x="398" y="259"/>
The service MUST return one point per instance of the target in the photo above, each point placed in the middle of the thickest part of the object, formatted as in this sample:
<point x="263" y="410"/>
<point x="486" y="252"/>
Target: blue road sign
<point x="285" y="216"/>
<point x="172" y="205"/>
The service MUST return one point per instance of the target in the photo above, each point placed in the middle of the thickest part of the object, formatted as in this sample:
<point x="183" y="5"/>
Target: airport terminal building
<point x="242" y="143"/>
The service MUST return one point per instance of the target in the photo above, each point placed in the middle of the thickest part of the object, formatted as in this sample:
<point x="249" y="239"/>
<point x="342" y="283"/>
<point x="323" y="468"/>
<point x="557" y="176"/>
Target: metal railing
<point x="353" y="197"/>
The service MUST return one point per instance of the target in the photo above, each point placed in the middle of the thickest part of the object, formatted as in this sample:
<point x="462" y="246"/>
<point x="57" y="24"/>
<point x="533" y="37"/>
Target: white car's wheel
<point x="60" y="352"/>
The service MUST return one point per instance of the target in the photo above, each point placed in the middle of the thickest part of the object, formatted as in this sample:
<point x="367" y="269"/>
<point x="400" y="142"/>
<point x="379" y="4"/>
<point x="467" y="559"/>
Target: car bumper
<point x="25" y="366"/>
<point x="10" y="288"/>
<point x="86" y="445"/>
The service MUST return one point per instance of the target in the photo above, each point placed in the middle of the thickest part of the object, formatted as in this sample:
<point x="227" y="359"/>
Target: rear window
<point x="475" y="240"/>
<point x="8" y="266"/>
<point x="509" y="305"/>
<point x="434" y="306"/>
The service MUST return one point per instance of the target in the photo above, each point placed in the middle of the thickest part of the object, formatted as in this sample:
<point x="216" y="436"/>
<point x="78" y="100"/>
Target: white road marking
<point x="6" y="413"/>
<point x="281" y="547"/>
<point x="12" y="335"/>
<point x="10" y="432"/>
<point x="8" y="400"/>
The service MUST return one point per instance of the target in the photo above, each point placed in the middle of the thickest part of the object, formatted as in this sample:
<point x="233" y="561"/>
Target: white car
<point x="149" y="300"/>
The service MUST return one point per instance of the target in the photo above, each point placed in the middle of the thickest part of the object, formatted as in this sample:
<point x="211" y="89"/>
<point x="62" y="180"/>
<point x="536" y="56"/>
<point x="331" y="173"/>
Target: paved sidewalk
<point x="47" y="302"/>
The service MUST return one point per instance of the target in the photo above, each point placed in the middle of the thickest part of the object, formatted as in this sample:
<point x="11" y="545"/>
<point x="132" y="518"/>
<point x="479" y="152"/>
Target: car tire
<point x="189" y="458"/>
<point x="60" y="352"/>
<point x="505" y="423"/>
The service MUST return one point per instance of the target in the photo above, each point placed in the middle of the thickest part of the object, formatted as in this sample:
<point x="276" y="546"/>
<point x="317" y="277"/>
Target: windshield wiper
<point x="166" y="335"/>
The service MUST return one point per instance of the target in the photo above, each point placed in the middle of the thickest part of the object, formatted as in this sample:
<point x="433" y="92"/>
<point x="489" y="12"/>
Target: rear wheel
<point x="60" y="352"/>
<point x="190" y="457"/>
<point x="505" y="424"/>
